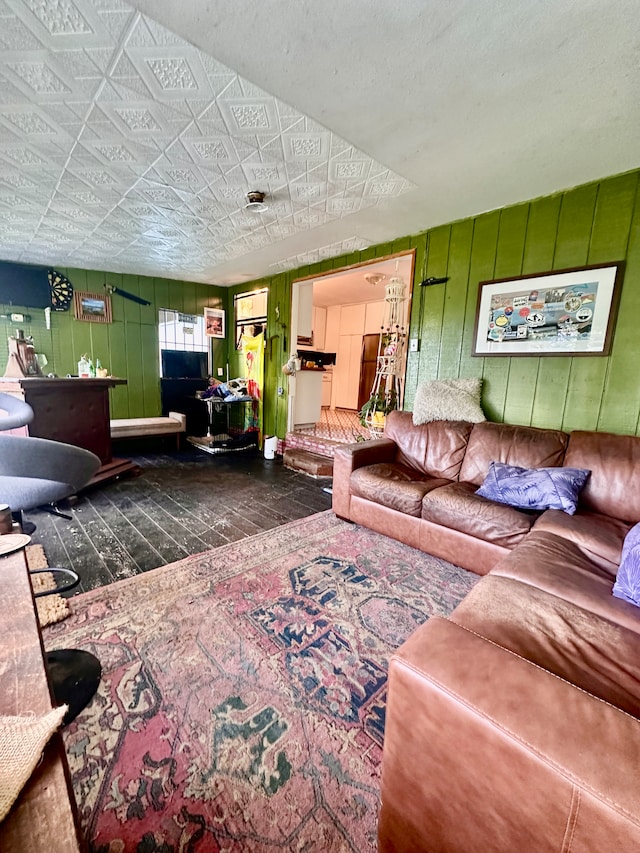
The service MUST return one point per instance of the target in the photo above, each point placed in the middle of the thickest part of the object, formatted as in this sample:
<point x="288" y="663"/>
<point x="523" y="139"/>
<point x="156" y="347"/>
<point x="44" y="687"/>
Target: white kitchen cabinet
<point x="319" y="327"/>
<point x="308" y="397"/>
<point x="346" y="373"/>
<point x="332" y="329"/>
<point x="305" y="309"/>
<point x="327" y="378"/>
<point x="352" y="319"/>
<point x="374" y="317"/>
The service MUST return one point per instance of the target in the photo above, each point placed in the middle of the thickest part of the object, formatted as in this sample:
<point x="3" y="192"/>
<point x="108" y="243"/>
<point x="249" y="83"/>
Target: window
<point x="250" y="313"/>
<point x="181" y="332"/>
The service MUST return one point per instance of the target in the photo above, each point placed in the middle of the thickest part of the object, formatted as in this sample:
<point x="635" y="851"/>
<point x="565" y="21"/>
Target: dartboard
<point x="61" y="291"/>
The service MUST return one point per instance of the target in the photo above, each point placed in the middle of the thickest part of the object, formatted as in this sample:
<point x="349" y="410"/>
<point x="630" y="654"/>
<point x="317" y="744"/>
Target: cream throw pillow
<point x="448" y="400"/>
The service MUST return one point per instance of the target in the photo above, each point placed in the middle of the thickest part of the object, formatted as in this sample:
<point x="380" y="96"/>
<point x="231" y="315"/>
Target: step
<point x="313" y="464"/>
<point x="312" y="443"/>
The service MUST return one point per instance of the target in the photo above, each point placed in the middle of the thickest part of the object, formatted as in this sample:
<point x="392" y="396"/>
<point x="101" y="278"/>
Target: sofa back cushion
<point x="526" y="447"/>
<point x="614" y="460"/>
<point x="436" y="448"/>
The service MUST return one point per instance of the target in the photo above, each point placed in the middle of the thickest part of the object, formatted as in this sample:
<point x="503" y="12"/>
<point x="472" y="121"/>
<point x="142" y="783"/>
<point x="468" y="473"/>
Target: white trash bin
<point x="270" y="445"/>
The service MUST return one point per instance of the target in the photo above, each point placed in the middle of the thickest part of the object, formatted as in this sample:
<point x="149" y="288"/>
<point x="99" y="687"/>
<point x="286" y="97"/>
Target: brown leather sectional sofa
<point x="513" y="725"/>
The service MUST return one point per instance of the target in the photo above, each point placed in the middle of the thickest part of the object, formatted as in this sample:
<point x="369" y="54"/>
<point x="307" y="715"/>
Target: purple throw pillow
<point x="627" y="585"/>
<point x="534" y="488"/>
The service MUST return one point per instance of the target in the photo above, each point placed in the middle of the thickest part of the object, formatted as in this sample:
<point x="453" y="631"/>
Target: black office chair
<point x="36" y="472"/>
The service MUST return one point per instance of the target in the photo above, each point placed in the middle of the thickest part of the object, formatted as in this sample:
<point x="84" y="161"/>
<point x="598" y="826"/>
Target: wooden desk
<point x="74" y="411"/>
<point x="43" y="818"/>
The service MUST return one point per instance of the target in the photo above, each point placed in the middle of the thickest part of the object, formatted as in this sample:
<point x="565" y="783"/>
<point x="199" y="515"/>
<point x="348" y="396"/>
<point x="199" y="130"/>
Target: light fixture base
<point x="374" y="277"/>
<point x="255" y="202"/>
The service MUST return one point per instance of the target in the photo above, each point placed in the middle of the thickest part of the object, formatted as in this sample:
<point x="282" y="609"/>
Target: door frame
<point x="411" y="253"/>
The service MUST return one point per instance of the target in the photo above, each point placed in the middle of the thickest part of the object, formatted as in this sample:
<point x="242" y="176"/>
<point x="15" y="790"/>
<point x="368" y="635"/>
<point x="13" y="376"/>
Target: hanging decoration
<point x="386" y="392"/>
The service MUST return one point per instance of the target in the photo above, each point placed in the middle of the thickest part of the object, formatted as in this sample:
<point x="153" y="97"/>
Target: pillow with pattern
<point x="534" y="488"/>
<point x="627" y="585"/>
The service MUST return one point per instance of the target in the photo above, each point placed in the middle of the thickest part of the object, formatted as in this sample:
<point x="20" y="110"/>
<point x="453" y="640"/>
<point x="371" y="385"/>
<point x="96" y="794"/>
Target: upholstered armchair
<point x="35" y="471"/>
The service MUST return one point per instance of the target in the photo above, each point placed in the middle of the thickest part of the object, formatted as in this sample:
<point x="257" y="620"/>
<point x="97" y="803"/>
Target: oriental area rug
<point x="242" y="703"/>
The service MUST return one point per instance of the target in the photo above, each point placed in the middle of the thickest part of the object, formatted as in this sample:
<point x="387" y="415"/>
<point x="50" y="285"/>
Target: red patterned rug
<point x="243" y="696"/>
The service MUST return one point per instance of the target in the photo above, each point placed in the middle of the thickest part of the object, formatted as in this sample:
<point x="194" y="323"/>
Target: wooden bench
<point x="174" y="424"/>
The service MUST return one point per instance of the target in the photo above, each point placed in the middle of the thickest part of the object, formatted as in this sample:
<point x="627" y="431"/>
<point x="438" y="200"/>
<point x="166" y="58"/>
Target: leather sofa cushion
<point x="599" y="536"/>
<point x="435" y="449"/>
<point x="526" y="447"/>
<point x="560" y="568"/>
<point x="394" y="486"/>
<point x="457" y="507"/>
<point x="613" y="487"/>
<point x="591" y="652"/>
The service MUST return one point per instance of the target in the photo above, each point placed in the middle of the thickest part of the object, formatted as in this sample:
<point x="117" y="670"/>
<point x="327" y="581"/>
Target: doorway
<point x="343" y="312"/>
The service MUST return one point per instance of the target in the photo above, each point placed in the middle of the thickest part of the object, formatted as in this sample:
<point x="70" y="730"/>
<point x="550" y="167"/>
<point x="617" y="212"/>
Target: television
<point x="183" y="364"/>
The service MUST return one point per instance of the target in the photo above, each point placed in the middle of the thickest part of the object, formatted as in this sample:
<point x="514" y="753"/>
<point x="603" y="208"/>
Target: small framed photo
<point x="565" y="312"/>
<point x="214" y="322"/>
<point x="92" y="307"/>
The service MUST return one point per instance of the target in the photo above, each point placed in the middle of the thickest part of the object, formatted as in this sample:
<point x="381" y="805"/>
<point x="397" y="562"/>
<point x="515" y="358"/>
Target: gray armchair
<point x="35" y="471"/>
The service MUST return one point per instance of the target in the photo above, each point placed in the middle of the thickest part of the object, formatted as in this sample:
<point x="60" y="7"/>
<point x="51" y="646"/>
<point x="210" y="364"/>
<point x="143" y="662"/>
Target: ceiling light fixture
<point x="374" y="277"/>
<point x="255" y="202"/>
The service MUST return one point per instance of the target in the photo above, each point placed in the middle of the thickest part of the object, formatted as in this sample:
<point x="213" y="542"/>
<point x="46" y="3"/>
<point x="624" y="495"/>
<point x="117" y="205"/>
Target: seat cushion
<point x="560" y="568"/>
<point x="599" y="536"/>
<point x="458" y="507"/>
<point x="130" y="427"/>
<point x="22" y="493"/>
<point x="591" y="652"/>
<point x="393" y="485"/>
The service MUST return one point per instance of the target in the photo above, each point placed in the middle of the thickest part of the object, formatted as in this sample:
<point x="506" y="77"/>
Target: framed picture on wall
<point x="214" y="323"/>
<point x="92" y="307"/>
<point x="568" y="312"/>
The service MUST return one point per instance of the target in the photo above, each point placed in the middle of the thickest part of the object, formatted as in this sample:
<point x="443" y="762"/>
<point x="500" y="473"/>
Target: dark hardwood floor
<point x="183" y="503"/>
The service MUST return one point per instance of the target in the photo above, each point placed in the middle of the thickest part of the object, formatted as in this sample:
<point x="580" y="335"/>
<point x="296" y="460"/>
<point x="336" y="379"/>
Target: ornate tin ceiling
<point x="125" y="148"/>
<point x="130" y="133"/>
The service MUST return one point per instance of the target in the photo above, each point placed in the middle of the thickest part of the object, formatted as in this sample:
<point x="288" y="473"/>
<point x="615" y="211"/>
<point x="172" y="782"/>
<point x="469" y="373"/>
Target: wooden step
<point x="312" y="464"/>
<point x="312" y="443"/>
<point x="113" y="471"/>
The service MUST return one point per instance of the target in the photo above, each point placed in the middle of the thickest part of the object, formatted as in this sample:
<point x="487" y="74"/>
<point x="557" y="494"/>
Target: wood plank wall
<point x="128" y="346"/>
<point x="594" y="223"/>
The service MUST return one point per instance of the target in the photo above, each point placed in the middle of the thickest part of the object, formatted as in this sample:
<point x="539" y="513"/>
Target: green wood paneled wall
<point x="595" y="223"/>
<point x="128" y="346"/>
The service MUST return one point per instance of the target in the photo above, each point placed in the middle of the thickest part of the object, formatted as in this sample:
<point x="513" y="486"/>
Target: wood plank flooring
<point x="183" y="503"/>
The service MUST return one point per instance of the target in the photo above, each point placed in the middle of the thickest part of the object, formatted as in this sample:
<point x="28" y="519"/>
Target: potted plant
<point x="377" y="407"/>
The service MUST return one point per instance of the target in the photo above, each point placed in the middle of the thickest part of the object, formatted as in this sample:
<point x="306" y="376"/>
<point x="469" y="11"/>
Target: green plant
<point x="378" y="402"/>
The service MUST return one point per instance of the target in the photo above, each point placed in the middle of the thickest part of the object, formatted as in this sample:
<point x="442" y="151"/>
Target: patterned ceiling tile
<point x="122" y="144"/>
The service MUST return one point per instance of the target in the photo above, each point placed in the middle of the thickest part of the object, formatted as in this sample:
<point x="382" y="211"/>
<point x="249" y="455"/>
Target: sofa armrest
<point x="347" y="458"/>
<point x="485" y="751"/>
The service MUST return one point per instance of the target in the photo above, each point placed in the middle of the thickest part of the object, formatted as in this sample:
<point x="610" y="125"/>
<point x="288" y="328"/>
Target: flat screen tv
<point x="181" y="364"/>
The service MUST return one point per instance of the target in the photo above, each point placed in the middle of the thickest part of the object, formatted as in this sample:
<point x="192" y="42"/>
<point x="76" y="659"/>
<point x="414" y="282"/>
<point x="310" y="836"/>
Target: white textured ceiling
<point x="131" y="133"/>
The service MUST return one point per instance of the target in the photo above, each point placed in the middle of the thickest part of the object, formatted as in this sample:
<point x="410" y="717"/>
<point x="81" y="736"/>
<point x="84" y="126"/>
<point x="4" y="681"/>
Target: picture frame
<point x="561" y="312"/>
<point x="92" y="307"/>
<point x="214" y="325"/>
